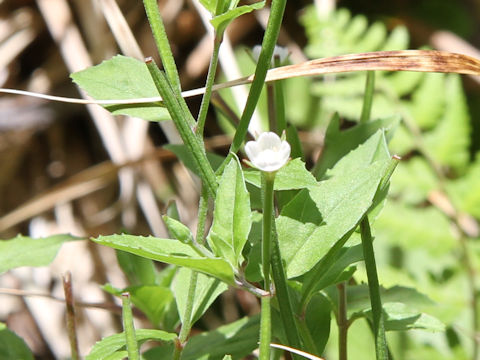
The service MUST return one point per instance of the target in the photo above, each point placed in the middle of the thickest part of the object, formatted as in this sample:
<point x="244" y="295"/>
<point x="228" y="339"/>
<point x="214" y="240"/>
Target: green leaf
<point x="465" y="191"/>
<point x="139" y="271"/>
<point x="178" y="230"/>
<point x="26" y="251"/>
<point x="428" y="101"/>
<point x="294" y="175"/>
<point x="221" y="22"/>
<point x="400" y="318"/>
<point x="12" y="346"/>
<point x="339" y="143"/>
<point x="111" y="344"/>
<point x="206" y="291"/>
<point x="332" y="275"/>
<point x="315" y="220"/>
<point x="399" y="303"/>
<point x="318" y="319"/>
<point x="232" y="218"/>
<point x="413" y="181"/>
<point x="437" y="238"/>
<point x="449" y="142"/>
<point x="171" y="252"/>
<point x="372" y="150"/>
<point x="122" y="78"/>
<point x="237" y="339"/>
<point x="153" y="301"/>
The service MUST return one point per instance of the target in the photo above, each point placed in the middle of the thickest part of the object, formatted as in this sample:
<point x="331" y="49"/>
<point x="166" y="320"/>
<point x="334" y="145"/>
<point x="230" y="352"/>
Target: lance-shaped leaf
<point x="107" y="347"/>
<point x="171" y="252"/>
<point x="26" y="251"/>
<point x="232" y="218"/>
<point x="312" y="223"/>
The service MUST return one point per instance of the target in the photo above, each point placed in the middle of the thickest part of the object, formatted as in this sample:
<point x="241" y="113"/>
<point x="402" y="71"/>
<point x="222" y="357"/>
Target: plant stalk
<point x="267" y="183"/>
<point x="368" y="97"/>
<point x="179" y="117"/>
<point x="161" y="40"/>
<point x="342" y="321"/>
<point x="71" y="328"/>
<point x="269" y="40"/>
<point x="128" y="328"/>
<point x="212" y="69"/>
<point x="265" y="328"/>
<point x="381" y="348"/>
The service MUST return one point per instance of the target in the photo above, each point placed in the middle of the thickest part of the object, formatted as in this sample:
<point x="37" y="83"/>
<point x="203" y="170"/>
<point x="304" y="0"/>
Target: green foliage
<point x="113" y="347"/>
<point x="12" y="346"/>
<point x="171" y="252"/>
<point x="26" y="251"/>
<point x="122" y="78"/>
<point x="316" y="219"/>
<point x="232" y="217"/>
<point x="237" y="339"/>
<point x="206" y="291"/>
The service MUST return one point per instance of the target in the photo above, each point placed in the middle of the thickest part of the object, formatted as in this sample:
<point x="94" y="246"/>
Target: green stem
<point x="269" y="40"/>
<point x="161" y="39"/>
<point x="202" y="216"/>
<point x="265" y="328"/>
<point x="381" y="349"/>
<point x="178" y="115"/>
<point x="202" y="114"/>
<point x="281" y="122"/>
<point x="132" y="347"/>
<point x="283" y="296"/>
<point x="368" y="97"/>
<point x="342" y="321"/>
<point x="267" y="184"/>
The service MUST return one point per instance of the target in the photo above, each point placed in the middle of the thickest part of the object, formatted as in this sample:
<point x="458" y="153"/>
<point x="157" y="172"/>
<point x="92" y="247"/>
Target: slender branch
<point x="128" y="328"/>
<point x="161" y="40"/>
<point x="178" y="115"/>
<point x="381" y="349"/>
<point x="368" y="97"/>
<point x="267" y="185"/>
<point x="202" y="114"/>
<point x="264" y="60"/>
<point x="342" y="321"/>
<point x="265" y="328"/>
<point x="70" y="304"/>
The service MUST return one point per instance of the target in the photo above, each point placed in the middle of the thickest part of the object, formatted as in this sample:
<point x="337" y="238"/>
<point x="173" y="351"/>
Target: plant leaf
<point x="339" y="143"/>
<point x="206" y="291"/>
<point x="122" y="77"/>
<point x="312" y="223"/>
<point x="12" y="346"/>
<point x="221" y="22"/>
<point x="26" y="251"/>
<point x="171" y="252"/>
<point x="449" y="142"/>
<point x="111" y="344"/>
<point x="232" y="218"/>
<point x="152" y="300"/>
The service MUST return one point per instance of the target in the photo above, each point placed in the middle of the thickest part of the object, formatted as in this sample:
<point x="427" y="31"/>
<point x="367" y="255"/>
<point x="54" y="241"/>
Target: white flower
<point x="268" y="153"/>
<point x="281" y="52"/>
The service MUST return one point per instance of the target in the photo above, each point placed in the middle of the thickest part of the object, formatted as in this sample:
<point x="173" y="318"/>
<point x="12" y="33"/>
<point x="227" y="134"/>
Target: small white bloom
<point x="281" y="52"/>
<point x="268" y="153"/>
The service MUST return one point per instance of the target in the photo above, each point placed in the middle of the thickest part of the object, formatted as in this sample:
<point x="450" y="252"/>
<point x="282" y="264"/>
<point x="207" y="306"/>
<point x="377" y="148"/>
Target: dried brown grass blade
<point x="403" y="60"/>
